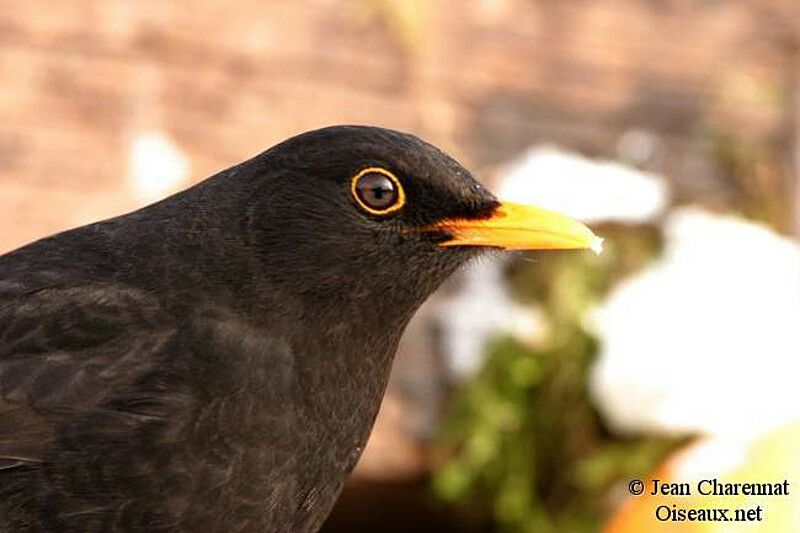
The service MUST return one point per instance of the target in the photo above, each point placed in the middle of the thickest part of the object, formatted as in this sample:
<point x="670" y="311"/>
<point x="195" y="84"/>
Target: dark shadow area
<point x="399" y="507"/>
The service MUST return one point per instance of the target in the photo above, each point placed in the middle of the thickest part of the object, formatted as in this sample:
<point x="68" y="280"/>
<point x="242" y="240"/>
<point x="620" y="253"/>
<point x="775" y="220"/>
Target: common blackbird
<point x="214" y="362"/>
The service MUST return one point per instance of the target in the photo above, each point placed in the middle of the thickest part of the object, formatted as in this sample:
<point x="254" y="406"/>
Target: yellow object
<point x="521" y="227"/>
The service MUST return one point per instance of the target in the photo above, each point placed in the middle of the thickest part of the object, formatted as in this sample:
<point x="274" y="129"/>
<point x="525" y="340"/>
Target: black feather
<point x="214" y="362"/>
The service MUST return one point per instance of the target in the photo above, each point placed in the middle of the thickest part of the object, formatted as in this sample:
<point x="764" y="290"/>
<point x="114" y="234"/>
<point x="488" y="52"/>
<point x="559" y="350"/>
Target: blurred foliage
<point x="759" y="176"/>
<point x="749" y="133"/>
<point x="750" y="151"/>
<point x="523" y="439"/>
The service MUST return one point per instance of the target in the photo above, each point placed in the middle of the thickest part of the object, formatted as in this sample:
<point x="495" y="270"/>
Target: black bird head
<point x="381" y="218"/>
<point x="241" y="331"/>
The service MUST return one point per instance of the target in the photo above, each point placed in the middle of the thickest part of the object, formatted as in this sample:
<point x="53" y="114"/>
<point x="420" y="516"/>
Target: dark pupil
<point x="377" y="191"/>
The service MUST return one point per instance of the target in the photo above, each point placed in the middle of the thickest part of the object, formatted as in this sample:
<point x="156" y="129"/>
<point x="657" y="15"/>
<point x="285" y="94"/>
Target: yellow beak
<point x="520" y="227"/>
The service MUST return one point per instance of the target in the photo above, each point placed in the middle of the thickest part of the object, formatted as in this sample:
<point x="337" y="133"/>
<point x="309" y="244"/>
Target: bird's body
<point x="214" y="362"/>
<point x="147" y="408"/>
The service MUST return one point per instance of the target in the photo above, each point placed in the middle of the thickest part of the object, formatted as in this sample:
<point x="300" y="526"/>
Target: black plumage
<point x="214" y="362"/>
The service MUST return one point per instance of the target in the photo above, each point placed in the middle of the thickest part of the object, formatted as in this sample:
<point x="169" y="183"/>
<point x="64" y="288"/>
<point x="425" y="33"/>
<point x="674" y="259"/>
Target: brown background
<point x="484" y="79"/>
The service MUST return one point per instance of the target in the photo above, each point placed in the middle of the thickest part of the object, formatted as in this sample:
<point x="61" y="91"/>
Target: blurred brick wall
<point x="80" y="80"/>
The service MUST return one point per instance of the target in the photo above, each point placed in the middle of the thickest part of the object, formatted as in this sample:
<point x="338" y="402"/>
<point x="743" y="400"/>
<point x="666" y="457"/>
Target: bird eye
<point x="378" y="191"/>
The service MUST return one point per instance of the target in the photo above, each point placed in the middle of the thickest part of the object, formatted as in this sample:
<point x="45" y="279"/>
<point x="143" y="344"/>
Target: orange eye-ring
<point x="377" y="191"/>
